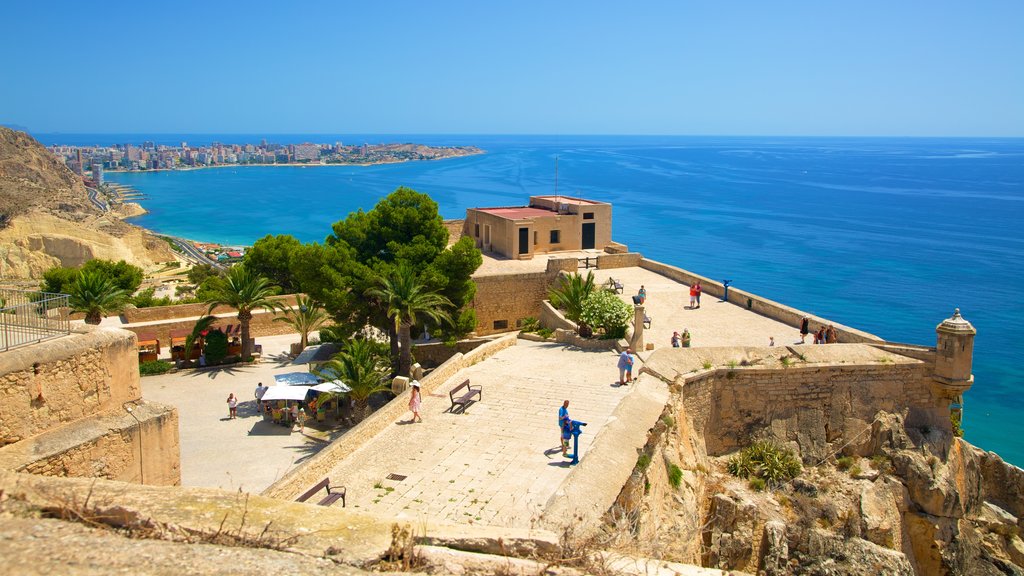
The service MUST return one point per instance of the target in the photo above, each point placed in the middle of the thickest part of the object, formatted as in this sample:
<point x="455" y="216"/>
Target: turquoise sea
<point x="885" y="234"/>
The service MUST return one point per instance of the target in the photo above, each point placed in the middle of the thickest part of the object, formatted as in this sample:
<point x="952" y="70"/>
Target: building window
<point x="476" y="230"/>
<point x="588" y="215"/>
<point x="556" y="236"/>
<point x="501" y="324"/>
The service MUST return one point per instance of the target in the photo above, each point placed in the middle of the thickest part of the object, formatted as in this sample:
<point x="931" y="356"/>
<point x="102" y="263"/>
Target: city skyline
<point x="574" y="68"/>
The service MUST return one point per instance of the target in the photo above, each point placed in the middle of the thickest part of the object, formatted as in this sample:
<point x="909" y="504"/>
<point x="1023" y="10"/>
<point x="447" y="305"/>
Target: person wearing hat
<point x="414" y="401"/>
<point x="675" y="340"/>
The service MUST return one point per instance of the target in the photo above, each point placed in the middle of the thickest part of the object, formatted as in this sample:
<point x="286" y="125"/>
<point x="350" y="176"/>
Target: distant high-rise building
<point x="306" y="152"/>
<point x="97" y="173"/>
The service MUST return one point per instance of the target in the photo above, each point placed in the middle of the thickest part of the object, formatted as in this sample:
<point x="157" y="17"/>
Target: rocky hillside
<point x="898" y="500"/>
<point x="46" y="218"/>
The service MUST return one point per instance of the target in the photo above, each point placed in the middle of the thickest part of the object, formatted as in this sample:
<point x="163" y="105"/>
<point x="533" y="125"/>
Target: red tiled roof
<point x="519" y="212"/>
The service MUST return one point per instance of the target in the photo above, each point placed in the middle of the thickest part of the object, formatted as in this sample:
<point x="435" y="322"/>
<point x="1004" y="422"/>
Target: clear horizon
<point x="456" y="67"/>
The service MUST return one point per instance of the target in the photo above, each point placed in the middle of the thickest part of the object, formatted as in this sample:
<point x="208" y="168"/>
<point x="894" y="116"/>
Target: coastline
<point x="292" y="164"/>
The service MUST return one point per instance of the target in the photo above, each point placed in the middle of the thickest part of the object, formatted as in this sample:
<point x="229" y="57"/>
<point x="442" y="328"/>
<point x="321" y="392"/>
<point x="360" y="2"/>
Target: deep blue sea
<point x="884" y="234"/>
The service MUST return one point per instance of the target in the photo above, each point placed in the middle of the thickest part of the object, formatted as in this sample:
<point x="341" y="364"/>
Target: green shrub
<point x="603" y="309"/>
<point x="668" y="420"/>
<point x="154" y="367"/>
<point x="707" y="364"/>
<point x="675" y="475"/>
<point x="757" y="484"/>
<point x="643" y="462"/>
<point x="216" y="346"/>
<point x="529" y="324"/>
<point x="855" y="470"/>
<point x="844" y="463"/>
<point x="545" y="332"/>
<point x="767" y="461"/>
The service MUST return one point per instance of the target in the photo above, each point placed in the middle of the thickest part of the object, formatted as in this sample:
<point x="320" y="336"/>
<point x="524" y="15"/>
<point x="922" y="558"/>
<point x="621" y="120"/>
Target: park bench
<point x="615" y="285"/>
<point x="333" y="495"/>
<point x="647" y="321"/>
<point x="465" y="398"/>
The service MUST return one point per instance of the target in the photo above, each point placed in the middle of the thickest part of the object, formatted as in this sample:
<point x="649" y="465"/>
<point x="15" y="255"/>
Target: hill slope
<point x="46" y="218"/>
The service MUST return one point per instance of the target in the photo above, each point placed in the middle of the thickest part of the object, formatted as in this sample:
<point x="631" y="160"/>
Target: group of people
<point x="626" y="361"/>
<point x="681" y="340"/>
<point x="695" y="291"/>
<point x="824" y="335"/>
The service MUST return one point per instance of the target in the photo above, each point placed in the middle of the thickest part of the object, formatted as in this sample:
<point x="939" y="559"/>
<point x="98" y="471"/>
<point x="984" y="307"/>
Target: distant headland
<point x="149" y="156"/>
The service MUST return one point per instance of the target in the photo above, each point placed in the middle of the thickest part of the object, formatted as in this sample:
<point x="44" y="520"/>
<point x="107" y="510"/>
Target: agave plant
<point x="572" y="291"/>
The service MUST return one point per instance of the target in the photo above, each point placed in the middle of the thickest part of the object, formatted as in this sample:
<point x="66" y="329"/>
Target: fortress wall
<point x="134" y="315"/>
<point x="115" y="447"/>
<point x="436" y="353"/>
<point x="818" y="407"/>
<point x="320" y="465"/>
<point x="763" y="306"/>
<point x="509" y="298"/>
<point x="262" y="324"/>
<point x="57" y="381"/>
<point x="624" y="260"/>
<point x="616" y="248"/>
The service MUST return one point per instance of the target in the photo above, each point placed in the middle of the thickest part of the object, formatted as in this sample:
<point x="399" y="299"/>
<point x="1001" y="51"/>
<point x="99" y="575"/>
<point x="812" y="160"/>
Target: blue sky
<point x="907" y="68"/>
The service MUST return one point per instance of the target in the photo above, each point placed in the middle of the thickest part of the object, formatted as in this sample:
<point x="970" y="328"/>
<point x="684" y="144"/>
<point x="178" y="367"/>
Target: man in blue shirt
<point x="564" y="427"/>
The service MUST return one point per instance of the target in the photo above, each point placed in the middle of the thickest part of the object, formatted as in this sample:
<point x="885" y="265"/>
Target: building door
<point x="524" y="240"/>
<point x="588" y="236"/>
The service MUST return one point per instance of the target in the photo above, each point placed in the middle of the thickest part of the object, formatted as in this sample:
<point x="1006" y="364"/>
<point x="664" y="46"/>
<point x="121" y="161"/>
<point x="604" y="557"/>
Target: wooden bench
<point x="615" y="285"/>
<point x="466" y="398"/>
<point x="333" y="495"/>
<point x="647" y="321"/>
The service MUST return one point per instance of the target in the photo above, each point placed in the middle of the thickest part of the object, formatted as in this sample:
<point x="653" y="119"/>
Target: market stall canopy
<point x="335" y="386"/>
<point x="285" y="393"/>
<point x="296" y="379"/>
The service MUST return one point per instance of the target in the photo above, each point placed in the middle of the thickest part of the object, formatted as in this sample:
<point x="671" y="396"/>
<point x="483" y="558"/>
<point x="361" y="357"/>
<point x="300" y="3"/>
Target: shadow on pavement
<point x="266" y="428"/>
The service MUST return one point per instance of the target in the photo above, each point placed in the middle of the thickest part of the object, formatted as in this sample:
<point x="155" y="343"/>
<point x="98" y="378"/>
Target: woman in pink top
<point x="414" y="402"/>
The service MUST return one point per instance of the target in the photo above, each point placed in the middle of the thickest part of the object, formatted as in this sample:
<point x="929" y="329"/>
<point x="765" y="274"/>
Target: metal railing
<point x="29" y="317"/>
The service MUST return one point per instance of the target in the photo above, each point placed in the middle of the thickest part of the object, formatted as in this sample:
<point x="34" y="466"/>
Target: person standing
<point x="676" y="340"/>
<point x="642" y="294"/>
<point x="232" y="406"/>
<point x="564" y="427"/>
<point x="260" y="391"/>
<point x="685" y="338"/>
<point x="693" y="296"/>
<point x="805" y="327"/>
<point x="771" y="341"/>
<point x="831" y="336"/>
<point x="626" y="366"/>
<point x="415" y="401"/>
<point x="699" y="290"/>
<point x="819" y="336"/>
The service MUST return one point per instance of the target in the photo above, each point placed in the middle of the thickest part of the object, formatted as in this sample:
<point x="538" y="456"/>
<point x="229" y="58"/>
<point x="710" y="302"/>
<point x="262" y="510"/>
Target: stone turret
<point x="954" y="354"/>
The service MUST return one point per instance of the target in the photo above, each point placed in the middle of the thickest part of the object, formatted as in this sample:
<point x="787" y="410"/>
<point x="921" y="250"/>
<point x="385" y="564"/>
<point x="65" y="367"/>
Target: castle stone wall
<point x="509" y="298"/>
<point x="57" y="381"/>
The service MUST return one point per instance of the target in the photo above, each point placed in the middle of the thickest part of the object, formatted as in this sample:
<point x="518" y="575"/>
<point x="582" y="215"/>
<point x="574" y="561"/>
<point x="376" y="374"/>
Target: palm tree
<point x="570" y="294"/>
<point x="307" y="317"/>
<point x="96" y="295"/>
<point x="244" y="291"/>
<point x="202" y="325"/>
<point x="406" y="301"/>
<point x="360" y="366"/>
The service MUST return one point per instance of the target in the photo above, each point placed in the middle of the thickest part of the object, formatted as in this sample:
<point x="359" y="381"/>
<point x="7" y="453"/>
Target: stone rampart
<point x="731" y="395"/>
<point x="763" y="306"/>
<point x="317" y="467"/>
<point x="141" y="447"/>
<point x="615" y="260"/>
<point x="262" y="324"/>
<point x="134" y="315"/>
<point x="616" y="248"/>
<point x="57" y="381"/>
<point x="433" y="354"/>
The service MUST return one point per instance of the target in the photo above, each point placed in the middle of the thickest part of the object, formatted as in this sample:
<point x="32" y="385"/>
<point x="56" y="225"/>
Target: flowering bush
<point x="603" y="309"/>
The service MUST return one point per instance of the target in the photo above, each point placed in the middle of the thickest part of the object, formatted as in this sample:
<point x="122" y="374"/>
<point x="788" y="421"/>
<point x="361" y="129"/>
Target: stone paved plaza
<point x="499" y="462"/>
<point x="245" y="453"/>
